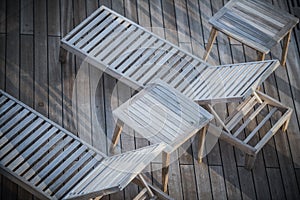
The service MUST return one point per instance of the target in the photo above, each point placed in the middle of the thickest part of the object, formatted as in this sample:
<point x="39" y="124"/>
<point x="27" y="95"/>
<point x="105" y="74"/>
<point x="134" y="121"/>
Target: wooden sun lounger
<point x="135" y="56"/>
<point x="52" y="163"/>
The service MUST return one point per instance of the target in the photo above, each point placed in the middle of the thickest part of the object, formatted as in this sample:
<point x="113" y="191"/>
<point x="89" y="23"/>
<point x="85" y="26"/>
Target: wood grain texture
<point x="279" y="155"/>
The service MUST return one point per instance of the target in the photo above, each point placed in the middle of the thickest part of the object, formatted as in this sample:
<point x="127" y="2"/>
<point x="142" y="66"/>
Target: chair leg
<point x="116" y="135"/>
<point x="261" y="55"/>
<point x="212" y="38"/>
<point x="165" y="170"/>
<point x="201" y="143"/>
<point x="249" y="161"/>
<point x="286" y="42"/>
<point x="62" y="55"/>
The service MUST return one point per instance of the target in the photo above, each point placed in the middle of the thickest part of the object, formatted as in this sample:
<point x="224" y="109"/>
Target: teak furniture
<point x="52" y="163"/>
<point x="135" y="56"/>
<point x="159" y="113"/>
<point x="255" y="23"/>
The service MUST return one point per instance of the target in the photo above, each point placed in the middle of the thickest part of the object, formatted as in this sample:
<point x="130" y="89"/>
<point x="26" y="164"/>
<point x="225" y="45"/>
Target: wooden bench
<point x="255" y="23"/>
<point x="52" y="163"/>
<point x="135" y="56"/>
<point x="160" y="113"/>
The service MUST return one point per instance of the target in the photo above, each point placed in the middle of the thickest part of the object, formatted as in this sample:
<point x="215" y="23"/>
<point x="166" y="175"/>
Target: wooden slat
<point x="60" y="169"/>
<point x="21" y="142"/>
<point x="14" y="120"/>
<point x="30" y="151"/>
<point x="84" y="160"/>
<point x="16" y="129"/>
<point x="39" y="154"/>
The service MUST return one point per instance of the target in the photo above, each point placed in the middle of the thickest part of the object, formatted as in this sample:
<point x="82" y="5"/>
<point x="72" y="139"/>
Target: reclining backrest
<point x="52" y="163"/>
<point x="136" y="56"/>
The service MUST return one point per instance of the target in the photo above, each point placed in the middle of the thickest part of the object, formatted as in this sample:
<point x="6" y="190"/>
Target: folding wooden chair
<point x="52" y="163"/>
<point x="135" y="56"/>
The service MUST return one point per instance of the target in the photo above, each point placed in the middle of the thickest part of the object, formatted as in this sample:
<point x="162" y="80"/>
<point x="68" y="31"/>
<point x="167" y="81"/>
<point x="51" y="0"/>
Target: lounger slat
<point x="6" y="107"/>
<point x="239" y="116"/>
<point x="75" y="179"/>
<point x="135" y="39"/>
<point x="30" y="151"/>
<point x="54" y="163"/>
<point x="102" y="43"/>
<point x="85" y="29"/>
<point x="132" y="57"/>
<point x="143" y="69"/>
<point x="47" y="157"/>
<point x="104" y="33"/>
<point x="22" y="125"/>
<point x="266" y="118"/>
<point x="59" y="170"/>
<point x="93" y="33"/>
<point x="248" y="120"/>
<point x="158" y="66"/>
<point x="39" y="154"/>
<point x="114" y="44"/>
<point x="9" y="114"/>
<point x="142" y="60"/>
<point x="2" y="99"/>
<point x="87" y="157"/>
<point x="20" y="143"/>
<point x="82" y="25"/>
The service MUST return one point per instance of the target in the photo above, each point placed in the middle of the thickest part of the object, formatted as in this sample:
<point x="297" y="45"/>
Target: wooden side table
<point x="252" y="22"/>
<point x="160" y="113"/>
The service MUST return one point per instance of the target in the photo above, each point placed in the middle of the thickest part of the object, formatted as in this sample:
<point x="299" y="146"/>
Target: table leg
<point x="165" y="170"/>
<point x="261" y="55"/>
<point x="62" y="55"/>
<point x="212" y="38"/>
<point x="201" y="143"/>
<point x="116" y="135"/>
<point x="286" y="42"/>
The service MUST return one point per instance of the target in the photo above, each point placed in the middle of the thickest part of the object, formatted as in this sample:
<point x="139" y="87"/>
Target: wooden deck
<point x="30" y="32"/>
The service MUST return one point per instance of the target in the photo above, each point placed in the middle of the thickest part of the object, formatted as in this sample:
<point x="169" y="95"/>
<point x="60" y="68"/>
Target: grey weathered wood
<point x="37" y="159"/>
<point x="3" y="17"/>
<point x="55" y="80"/>
<point x="40" y="57"/>
<point x="27" y="70"/>
<point x="12" y="59"/>
<point x="217" y="182"/>
<point x="53" y="15"/>
<point x="188" y="182"/>
<point x="276" y="188"/>
<point x="26" y="24"/>
<point x="2" y="60"/>
<point x="258" y="25"/>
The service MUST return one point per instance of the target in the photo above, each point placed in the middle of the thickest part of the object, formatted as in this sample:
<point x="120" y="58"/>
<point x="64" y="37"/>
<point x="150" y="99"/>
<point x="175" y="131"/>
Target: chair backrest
<point x="227" y="83"/>
<point x="136" y="56"/>
<point x="114" y="173"/>
<point x="49" y="161"/>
